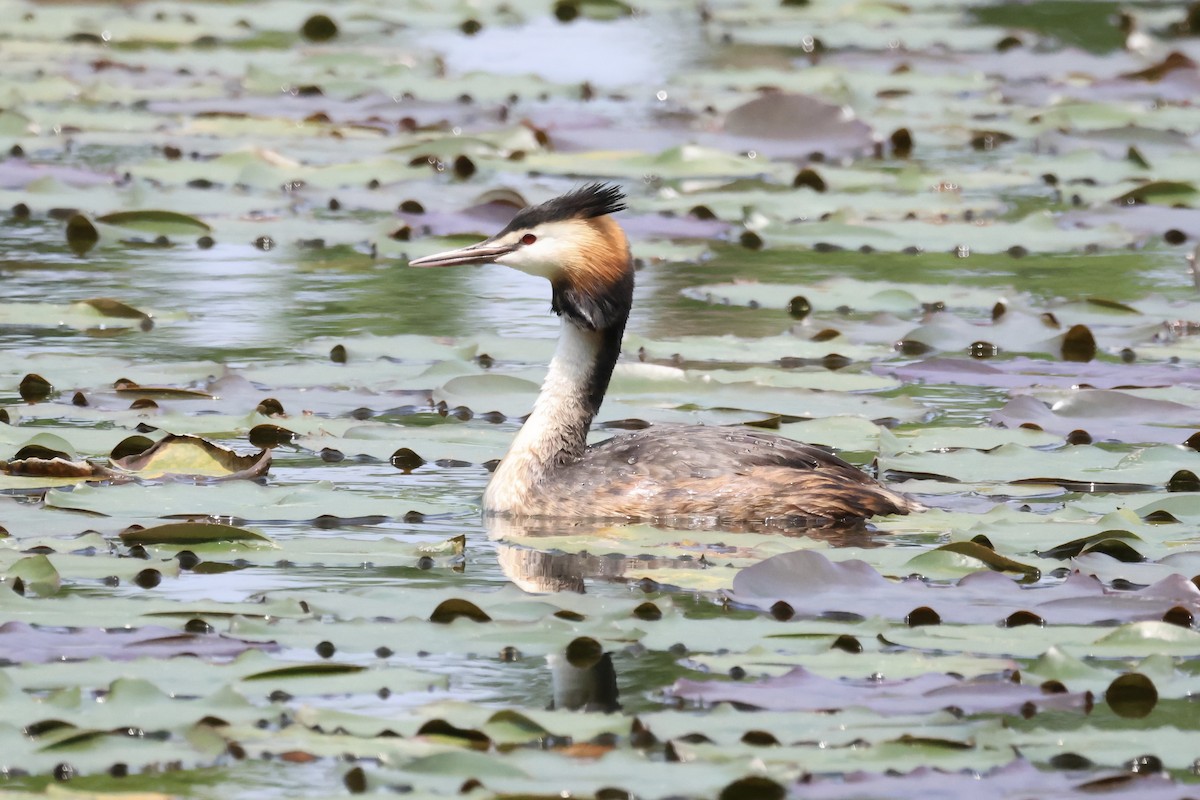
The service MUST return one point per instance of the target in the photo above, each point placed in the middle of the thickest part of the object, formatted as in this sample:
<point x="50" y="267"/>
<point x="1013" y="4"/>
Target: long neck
<point x="556" y="431"/>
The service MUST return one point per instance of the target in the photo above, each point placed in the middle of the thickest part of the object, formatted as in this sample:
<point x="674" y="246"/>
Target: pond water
<point x="1000" y="320"/>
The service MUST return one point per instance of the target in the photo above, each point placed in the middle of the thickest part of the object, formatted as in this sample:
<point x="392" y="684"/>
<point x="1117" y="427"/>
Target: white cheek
<point x="543" y="258"/>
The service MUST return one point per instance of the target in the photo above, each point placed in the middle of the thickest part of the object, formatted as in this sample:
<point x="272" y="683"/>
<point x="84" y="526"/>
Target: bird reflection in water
<point x="538" y="567"/>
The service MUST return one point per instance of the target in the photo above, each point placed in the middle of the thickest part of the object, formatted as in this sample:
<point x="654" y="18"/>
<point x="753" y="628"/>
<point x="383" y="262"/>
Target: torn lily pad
<point x="176" y="457"/>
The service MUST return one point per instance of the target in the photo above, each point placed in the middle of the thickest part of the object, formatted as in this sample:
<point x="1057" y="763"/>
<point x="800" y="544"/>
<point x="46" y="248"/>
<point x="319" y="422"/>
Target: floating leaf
<point x="34" y="575"/>
<point x="189" y="533"/>
<point x="154" y="221"/>
<point x="193" y="457"/>
<point x="81" y="234"/>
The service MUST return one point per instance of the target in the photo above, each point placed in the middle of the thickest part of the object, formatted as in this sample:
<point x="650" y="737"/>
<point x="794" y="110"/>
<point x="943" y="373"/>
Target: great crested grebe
<point x="676" y="471"/>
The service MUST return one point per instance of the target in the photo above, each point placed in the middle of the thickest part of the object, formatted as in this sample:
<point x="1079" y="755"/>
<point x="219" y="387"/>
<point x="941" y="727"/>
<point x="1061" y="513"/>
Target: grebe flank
<point x="665" y="472"/>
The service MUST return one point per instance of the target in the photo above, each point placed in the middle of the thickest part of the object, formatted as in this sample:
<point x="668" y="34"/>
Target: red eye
<point x="528" y="238"/>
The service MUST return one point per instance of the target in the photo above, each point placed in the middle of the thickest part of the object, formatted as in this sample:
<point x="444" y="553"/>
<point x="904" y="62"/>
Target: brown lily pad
<point x="189" y="533"/>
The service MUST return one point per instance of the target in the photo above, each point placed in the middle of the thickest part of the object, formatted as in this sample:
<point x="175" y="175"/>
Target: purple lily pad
<point x="36" y="645"/>
<point x="1018" y="778"/>
<point x="1106" y="415"/>
<point x="812" y="585"/>
<point x="801" y="690"/>
<point x="1020" y="373"/>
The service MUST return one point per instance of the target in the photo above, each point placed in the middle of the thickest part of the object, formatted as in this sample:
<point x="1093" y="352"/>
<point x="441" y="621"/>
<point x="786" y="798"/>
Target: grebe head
<point x="570" y="239"/>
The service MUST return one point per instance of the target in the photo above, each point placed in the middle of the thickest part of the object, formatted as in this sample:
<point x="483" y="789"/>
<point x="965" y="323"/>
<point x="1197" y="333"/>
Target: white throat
<point x="556" y="431"/>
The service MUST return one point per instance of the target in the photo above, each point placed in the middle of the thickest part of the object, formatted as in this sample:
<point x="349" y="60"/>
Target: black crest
<point x="593" y="200"/>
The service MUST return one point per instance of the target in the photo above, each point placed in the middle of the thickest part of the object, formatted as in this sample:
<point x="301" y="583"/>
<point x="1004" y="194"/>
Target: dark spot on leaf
<point x="337" y="354"/>
<point x="737" y="673"/>
<point x="825" y="335"/>
<point x="331" y="456"/>
<point x="1184" y="481"/>
<point x="1128" y="356"/>
<point x="412" y="207"/>
<point x="205" y="242"/>
<point x="319" y="28"/>
<point x="847" y="643"/>
<point x="835" y="361"/>
<point x="510" y="655"/>
<point x="270" y="407"/>
<point x="1019" y="618"/>
<point x="1131" y="695"/>
<point x="754" y="787"/>
<point x="1180" y="616"/>
<point x="197" y="625"/>
<point x="64" y="772"/>
<point x="1071" y="761"/>
<point x="648" y="611"/>
<point x="34" y="388"/>
<point x="571" y="616"/>
<point x="20" y="211"/>
<point x="82" y="235"/>
<point x="450" y="610"/>
<point x="147" y="578"/>
<point x="264" y="243"/>
<point x="268" y="436"/>
<point x="1008" y="43"/>
<point x="911" y="347"/>
<point x="759" y="739"/>
<point x="702" y="213"/>
<point x="750" y="240"/>
<point x="1145" y="765"/>
<point x="924" y="615"/>
<point x="584" y="652"/>
<point x="1079" y="436"/>
<point x="566" y="10"/>
<point x="406" y="460"/>
<point x="1193" y="441"/>
<point x="187" y="559"/>
<point x="1174" y="236"/>
<point x="983" y="350"/>
<point x="809" y="178"/>
<point x="471" y="27"/>
<point x="1078" y="344"/>
<point x="355" y="780"/>
<point x="782" y="611"/>
<point x="799" y="307"/>
<point x="143" y="403"/>
<point x="902" y="143"/>
<point x="464" y="167"/>
<point x="1017" y="251"/>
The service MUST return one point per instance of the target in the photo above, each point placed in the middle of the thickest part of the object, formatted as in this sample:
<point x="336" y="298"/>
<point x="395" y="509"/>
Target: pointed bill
<point x="482" y="253"/>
